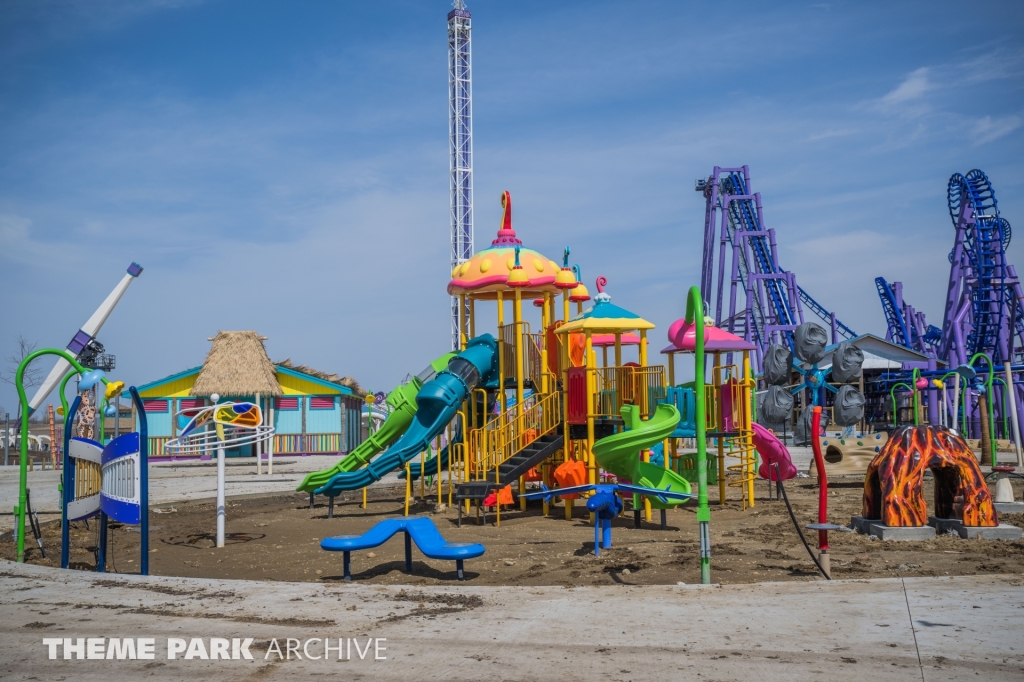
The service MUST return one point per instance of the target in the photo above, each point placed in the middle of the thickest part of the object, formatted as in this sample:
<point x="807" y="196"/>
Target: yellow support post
<point x="591" y="391"/>
<point x="517" y="329"/>
<point x="720" y="427"/>
<point x="408" y="487"/>
<point x="647" y="500"/>
<point x="520" y="416"/>
<point x="451" y="450"/>
<point x="748" y="418"/>
<point x="501" y="354"/>
<point x="544" y="469"/>
<point x="544" y="324"/>
<point x="463" y="322"/>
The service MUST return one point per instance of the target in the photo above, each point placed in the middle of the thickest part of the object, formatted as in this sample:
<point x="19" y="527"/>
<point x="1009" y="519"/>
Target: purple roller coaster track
<point x="772" y="303"/>
<point x="984" y="307"/>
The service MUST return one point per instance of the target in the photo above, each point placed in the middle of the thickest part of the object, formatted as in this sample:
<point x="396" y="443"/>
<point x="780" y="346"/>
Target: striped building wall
<point x="312" y="417"/>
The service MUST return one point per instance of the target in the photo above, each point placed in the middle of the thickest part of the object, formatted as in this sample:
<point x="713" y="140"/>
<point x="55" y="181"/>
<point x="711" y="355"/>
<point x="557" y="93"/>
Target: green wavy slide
<point x="619" y="454"/>
<point x="402" y="401"/>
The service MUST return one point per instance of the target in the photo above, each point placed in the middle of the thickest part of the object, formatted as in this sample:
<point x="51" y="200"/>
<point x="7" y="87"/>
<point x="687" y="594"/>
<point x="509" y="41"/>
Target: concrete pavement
<point x="888" y="629"/>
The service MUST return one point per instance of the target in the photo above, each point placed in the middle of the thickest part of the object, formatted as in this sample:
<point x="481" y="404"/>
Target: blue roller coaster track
<point x="898" y="332"/>
<point x="980" y="260"/>
<point x="982" y="285"/>
<point x="906" y="326"/>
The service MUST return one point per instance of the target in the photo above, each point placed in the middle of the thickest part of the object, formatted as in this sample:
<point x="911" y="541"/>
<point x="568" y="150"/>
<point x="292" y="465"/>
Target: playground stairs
<point x="511" y="469"/>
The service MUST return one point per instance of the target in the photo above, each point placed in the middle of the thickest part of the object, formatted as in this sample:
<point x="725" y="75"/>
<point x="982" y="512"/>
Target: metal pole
<point x="1009" y="382"/>
<point x="695" y="315"/>
<point x="257" y="445"/>
<point x="221" y="511"/>
<point x="220" y="493"/>
<point x="7" y="438"/>
<point x="956" y="403"/>
<point x="1013" y="412"/>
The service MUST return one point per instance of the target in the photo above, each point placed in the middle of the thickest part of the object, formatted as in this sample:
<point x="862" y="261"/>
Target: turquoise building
<point x="312" y="412"/>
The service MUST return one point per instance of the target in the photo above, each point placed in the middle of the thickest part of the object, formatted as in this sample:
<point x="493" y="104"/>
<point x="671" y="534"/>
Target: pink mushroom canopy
<point x="628" y="339"/>
<point x="683" y="337"/>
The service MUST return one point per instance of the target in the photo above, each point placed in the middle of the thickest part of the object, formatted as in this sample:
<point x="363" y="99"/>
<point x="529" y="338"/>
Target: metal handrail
<point x="501" y="438"/>
<point x="627" y="385"/>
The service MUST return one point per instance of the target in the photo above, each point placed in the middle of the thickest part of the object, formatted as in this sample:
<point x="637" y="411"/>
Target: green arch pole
<point x="19" y="381"/>
<point x="892" y="394"/>
<point x="695" y="316"/>
<point x="991" y="435"/>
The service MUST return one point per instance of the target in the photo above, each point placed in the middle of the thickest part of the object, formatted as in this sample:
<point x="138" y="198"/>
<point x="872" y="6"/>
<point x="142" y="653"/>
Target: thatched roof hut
<point x="237" y="364"/>
<point x="326" y="376"/>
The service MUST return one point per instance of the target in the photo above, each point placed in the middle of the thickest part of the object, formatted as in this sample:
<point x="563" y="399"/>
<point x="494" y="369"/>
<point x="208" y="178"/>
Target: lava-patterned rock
<point x="893" y="484"/>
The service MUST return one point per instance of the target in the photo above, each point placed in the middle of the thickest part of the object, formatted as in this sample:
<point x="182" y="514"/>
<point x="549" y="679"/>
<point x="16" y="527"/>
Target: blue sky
<point x="283" y="166"/>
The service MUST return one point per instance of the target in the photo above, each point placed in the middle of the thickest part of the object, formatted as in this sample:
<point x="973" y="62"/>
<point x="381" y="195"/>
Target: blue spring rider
<point x="606" y="504"/>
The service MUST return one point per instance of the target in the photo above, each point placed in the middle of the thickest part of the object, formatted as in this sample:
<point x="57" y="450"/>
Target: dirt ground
<point x="276" y="537"/>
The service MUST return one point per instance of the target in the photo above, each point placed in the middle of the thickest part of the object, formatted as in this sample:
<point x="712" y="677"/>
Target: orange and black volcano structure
<point x="893" y="485"/>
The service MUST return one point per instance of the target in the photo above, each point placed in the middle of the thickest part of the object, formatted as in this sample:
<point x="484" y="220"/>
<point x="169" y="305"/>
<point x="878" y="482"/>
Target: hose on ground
<point x="796" y="525"/>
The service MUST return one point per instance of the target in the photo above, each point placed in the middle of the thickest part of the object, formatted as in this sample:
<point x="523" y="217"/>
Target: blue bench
<point x="416" y="528"/>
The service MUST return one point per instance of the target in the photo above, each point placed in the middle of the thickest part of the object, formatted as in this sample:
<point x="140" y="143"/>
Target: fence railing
<point x="533" y="368"/>
<point x="628" y="385"/>
<point x="511" y="431"/>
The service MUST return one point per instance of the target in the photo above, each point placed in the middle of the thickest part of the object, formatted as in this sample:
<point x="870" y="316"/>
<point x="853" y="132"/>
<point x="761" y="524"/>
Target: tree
<point x="34" y="374"/>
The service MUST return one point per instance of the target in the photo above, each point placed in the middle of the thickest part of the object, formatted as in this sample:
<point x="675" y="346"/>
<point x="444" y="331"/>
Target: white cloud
<point x="987" y="129"/>
<point x="908" y="93"/>
<point x="827" y="134"/>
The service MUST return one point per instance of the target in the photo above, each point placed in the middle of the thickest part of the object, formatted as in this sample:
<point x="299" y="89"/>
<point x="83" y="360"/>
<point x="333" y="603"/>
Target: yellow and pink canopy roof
<point x="487" y="272"/>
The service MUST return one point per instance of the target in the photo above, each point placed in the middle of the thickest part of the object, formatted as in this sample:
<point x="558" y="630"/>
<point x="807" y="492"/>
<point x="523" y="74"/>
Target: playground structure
<point x="83" y="345"/>
<point x="91" y="478"/>
<point x="892" y="488"/>
<point x="215" y="428"/>
<point x="729" y="401"/>
<point x="111" y="482"/>
<point x="538" y="402"/>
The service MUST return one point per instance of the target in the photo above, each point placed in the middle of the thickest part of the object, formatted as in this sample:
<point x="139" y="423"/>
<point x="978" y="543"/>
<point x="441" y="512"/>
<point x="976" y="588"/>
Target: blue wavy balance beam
<point x="418" y="529"/>
<point x="437" y="404"/>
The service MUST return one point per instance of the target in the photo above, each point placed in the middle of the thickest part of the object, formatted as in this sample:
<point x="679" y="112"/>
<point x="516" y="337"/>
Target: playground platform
<point x="955" y="628"/>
